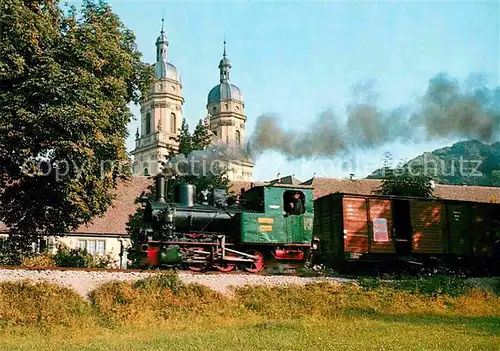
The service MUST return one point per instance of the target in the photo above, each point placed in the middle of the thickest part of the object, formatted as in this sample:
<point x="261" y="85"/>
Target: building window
<point x="238" y="138"/>
<point x="173" y="124"/>
<point x="226" y="106"/>
<point x="93" y="247"/>
<point x="214" y="109"/>
<point x="148" y="123"/>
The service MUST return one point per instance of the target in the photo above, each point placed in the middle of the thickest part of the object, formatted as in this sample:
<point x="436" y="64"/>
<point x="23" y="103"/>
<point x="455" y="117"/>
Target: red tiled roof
<point x="325" y="186"/>
<point x="115" y="219"/>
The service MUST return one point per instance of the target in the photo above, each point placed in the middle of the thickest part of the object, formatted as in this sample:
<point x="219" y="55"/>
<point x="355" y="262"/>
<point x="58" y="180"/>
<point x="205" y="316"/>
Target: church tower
<point x="227" y="119"/>
<point x="161" y="114"/>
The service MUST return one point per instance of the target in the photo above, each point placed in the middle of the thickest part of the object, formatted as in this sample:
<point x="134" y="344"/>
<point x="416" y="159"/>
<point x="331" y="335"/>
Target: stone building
<point x="162" y="113"/>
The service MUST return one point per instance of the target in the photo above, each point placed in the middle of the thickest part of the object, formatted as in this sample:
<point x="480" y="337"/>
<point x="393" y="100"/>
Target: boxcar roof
<point x="397" y="197"/>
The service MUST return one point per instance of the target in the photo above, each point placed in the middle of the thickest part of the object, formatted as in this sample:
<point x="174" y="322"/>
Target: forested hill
<point x="466" y="162"/>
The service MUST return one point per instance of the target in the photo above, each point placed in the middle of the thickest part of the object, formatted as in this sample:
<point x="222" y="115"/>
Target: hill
<point x="467" y="162"/>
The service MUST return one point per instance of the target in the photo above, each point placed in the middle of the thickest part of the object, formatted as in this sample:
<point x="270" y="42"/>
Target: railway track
<point x="148" y="271"/>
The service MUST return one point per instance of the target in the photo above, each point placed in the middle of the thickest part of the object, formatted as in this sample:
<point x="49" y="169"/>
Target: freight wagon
<point x="403" y="229"/>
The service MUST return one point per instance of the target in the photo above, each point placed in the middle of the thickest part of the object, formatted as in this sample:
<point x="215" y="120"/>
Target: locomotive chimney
<point x="186" y="194"/>
<point x="160" y="188"/>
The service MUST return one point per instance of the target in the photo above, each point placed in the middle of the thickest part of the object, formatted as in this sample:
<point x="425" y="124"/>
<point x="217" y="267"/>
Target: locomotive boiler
<point x="204" y="231"/>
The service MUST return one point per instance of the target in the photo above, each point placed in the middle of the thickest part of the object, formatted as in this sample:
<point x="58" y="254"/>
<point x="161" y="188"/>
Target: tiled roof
<point x="115" y="219"/>
<point x="325" y="186"/>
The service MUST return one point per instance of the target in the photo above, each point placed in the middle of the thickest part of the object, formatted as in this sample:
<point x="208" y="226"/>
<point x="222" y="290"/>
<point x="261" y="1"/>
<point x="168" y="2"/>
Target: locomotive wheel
<point x="198" y="267"/>
<point x="226" y="267"/>
<point x="255" y="267"/>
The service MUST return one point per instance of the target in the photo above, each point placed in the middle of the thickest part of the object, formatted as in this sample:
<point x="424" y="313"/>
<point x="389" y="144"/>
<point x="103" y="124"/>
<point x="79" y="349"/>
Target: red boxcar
<point x="359" y="227"/>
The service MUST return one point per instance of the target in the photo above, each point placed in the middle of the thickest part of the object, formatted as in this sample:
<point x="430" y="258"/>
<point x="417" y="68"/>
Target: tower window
<point x="238" y="137"/>
<point x="214" y="109"/>
<point x="148" y="123"/>
<point x="226" y="106"/>
<point x="173" y="124"/>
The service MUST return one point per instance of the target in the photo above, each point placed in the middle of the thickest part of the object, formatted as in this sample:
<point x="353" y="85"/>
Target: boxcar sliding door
<point x="355" y="225"/>
<point x="428" y="230"/>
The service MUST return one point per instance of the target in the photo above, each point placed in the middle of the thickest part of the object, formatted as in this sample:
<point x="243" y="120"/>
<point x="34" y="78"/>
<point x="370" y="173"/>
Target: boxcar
<point x="377" y="228"/>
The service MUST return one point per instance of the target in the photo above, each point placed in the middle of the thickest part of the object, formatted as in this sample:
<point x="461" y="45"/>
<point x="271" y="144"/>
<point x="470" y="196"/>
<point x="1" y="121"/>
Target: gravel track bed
<point x="84" y="282"/>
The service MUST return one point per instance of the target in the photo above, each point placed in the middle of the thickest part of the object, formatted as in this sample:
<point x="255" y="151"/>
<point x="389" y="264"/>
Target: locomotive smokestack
<point x="160" y="188"/>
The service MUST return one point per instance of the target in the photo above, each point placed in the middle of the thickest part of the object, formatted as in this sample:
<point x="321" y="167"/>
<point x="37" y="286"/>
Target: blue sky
<point x="297" y="59"/>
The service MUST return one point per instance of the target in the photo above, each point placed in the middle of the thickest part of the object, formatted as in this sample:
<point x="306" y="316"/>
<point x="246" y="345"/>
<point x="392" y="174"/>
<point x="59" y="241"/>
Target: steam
<point x="208" y="162"/>
<point x="445" y="110"/>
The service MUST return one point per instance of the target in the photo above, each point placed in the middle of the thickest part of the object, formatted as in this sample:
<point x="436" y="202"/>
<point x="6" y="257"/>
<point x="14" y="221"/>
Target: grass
<point x="160" y="312"/>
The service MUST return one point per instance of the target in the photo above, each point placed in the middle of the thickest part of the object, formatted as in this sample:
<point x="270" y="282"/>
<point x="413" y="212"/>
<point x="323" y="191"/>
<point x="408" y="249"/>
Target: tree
<point x="399" y="181"/>
<point x="188" y="143"/>
<point x="66" y="80"/>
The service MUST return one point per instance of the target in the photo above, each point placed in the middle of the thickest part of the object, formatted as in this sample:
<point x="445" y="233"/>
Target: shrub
<point x="80" y="258"/>
<point x="41" y="304"/>
<point x="77" y="258"/>
<point x="43" y="260"/>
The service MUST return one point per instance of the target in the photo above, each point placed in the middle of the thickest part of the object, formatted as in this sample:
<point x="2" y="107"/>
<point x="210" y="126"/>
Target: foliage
<point x="467" y="162"/>
<point x="196" y="141"/>
<point x="66" y="81"/>
<point x="41" y="304"/>
<point x="427" y="286"/>
<point x="162" y="310"/>
<point x="165" y="296"/>
<point x="39" y="261"/>
<point x="401" y="182"/>
<point x="80" y="258"/>
<point x="14" y="249"/>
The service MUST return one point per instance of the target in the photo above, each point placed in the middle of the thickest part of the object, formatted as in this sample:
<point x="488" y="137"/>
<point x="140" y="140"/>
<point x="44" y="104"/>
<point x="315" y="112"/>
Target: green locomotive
<point x="263" y="225"/>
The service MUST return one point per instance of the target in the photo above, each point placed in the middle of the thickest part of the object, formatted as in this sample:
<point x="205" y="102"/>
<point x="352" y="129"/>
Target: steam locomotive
<point x="201" y="232"/>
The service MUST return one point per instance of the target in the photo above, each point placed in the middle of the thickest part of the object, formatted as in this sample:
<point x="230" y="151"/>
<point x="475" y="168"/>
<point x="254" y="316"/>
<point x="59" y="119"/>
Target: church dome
<point x="224" y="91"/>
<point x="166" y="70"/>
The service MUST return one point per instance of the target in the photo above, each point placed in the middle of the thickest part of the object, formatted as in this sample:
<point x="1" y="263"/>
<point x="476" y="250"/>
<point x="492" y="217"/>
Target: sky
<point x="298" y="59"/>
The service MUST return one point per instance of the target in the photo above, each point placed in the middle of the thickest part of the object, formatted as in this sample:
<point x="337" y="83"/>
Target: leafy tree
<point x="197" y="141"/>
<point x="399" y="181"/>
<point x="66" y="80"/>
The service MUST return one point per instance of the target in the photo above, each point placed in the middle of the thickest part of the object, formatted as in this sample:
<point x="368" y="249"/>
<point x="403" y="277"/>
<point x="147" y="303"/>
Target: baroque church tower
<point x="161" y="114"/>
<point x="226" y="119"/>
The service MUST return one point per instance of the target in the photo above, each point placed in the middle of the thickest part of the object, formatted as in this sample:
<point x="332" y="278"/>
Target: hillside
<point x="466" y="162"/>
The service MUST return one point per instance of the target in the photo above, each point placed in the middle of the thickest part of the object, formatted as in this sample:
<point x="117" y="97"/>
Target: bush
<point x="80" y="258"/>
<point x="43" y="260"/>
<point x="41" y="304"/>
<point x="14" y="249"/>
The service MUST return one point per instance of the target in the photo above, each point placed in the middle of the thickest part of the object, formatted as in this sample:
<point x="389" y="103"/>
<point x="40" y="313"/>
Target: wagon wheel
<point x="226" y="266"/>
<point x="257" y="266"/>
<point x="198" y="267"/>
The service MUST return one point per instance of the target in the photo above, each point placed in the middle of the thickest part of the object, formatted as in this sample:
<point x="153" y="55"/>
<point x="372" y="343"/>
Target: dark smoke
<point x="445" y="110"/>
<point x="212" y="161"/>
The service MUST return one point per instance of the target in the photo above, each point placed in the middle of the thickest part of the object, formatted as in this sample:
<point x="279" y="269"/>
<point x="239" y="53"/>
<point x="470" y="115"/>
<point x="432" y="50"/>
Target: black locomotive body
<point x="186" y="232"/>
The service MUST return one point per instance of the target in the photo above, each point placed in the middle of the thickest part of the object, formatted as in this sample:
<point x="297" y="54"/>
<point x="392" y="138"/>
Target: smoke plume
<point x="208" y="162"/>
<point x="445" y="110"/>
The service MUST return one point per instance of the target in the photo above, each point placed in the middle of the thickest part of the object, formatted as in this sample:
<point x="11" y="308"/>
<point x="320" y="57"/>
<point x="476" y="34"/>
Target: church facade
<point x="162" y="114"/>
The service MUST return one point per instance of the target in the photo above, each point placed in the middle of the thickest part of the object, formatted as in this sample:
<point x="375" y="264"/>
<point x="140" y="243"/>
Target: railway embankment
<point x="83" y="281"/>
